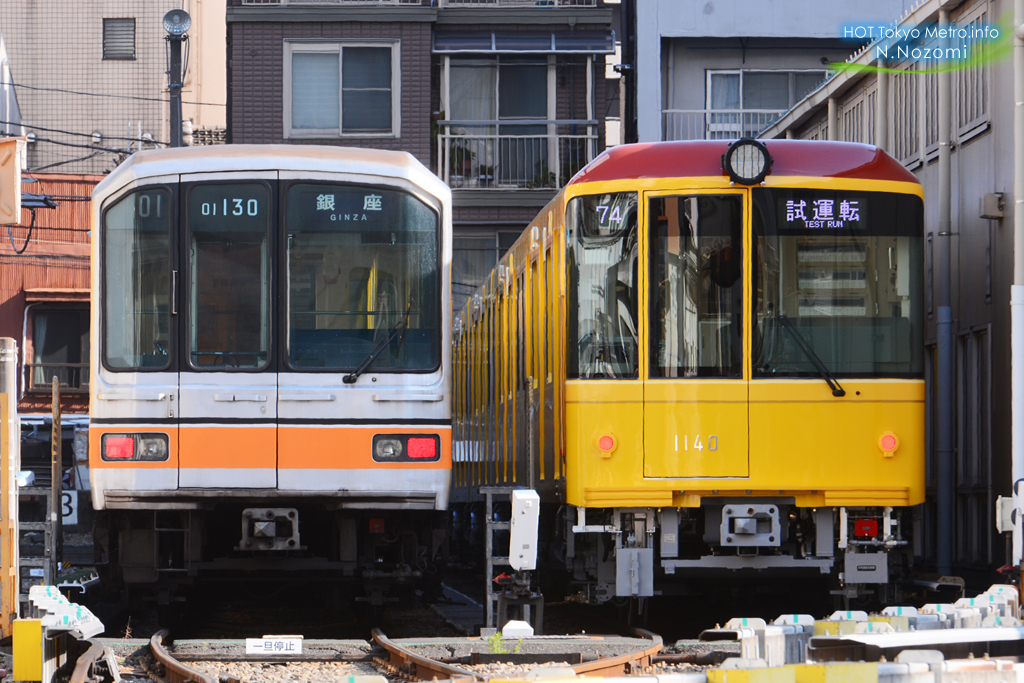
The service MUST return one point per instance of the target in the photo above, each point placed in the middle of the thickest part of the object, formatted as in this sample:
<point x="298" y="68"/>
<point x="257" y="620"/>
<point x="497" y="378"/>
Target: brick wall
<point x="256" y="53"/>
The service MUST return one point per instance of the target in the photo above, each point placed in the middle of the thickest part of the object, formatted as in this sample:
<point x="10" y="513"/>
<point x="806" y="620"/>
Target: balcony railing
<point x="716" y="124"/>
<point x="431" y="3"/>
<point x="73" y="377"/>
<point x="484" y="160"/>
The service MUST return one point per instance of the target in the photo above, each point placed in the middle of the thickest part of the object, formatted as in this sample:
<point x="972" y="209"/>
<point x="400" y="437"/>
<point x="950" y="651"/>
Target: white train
<point x="271" y="356"/>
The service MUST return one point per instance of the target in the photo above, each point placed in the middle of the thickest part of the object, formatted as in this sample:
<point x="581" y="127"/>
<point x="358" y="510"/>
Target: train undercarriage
<point x="372" y="555"/>
<point x="865" y="553"/>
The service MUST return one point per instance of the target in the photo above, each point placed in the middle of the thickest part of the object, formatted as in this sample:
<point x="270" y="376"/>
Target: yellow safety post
<point x="10" y="444"/>
<point x="28" y="650"/>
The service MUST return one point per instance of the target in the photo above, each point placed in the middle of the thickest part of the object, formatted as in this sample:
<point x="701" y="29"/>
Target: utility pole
<point x="176" y="23"/>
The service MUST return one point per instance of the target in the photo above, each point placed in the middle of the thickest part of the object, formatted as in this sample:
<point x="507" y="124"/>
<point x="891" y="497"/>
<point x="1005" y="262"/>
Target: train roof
<point x="808" y="158"/>
<point x="227" y="158"/>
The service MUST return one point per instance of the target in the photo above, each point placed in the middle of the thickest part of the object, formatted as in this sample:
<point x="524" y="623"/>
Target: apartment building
<point x="504" y="99"/>
<point x="722" y="69"/>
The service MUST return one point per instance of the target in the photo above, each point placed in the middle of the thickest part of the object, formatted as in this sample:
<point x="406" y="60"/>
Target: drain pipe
<point x="944" y="334"/>
<point x="1017" y="290"/>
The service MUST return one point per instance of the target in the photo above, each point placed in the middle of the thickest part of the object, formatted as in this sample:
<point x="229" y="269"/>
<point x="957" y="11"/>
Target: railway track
<point x="412" y="659"/>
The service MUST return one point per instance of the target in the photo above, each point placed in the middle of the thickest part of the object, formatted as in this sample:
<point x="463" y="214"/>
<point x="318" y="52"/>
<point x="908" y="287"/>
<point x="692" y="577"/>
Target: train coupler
<point x="270" y="529"/>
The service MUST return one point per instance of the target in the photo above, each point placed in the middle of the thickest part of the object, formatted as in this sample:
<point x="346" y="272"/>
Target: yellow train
<point x="705" y="357"/>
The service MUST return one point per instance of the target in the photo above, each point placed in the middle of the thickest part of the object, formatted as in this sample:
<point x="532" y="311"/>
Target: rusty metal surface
<point x="404" y="663"/>
<point x="83" y="672"/>
<point x="174" y="671"/>
<point x="623" y="664"/>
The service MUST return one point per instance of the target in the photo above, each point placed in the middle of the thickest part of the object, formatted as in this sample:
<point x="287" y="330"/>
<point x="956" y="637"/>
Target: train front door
<point x="228" y="428"/>
<point x="695" y="391"/>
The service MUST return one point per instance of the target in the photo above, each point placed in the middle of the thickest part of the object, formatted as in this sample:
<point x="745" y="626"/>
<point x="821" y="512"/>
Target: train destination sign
<point x="822" y="213"/>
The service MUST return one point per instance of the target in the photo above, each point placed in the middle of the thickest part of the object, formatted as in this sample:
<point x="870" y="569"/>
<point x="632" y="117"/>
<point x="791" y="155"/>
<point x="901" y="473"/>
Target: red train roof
<point x="704" y="158"/>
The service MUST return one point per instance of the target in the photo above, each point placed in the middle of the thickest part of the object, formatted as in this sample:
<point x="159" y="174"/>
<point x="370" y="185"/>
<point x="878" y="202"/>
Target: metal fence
<point x="73" y="377"/>
<point x="716" y="124"/>
<point x="488" y="161"/>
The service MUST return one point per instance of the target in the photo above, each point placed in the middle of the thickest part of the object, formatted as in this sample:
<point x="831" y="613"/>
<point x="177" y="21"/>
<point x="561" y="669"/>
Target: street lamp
<point x="176" y="23"/>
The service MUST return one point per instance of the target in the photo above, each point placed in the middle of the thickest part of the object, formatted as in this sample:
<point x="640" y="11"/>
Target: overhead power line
<point x="102" y="94"/>
<point x="86" y="135"/>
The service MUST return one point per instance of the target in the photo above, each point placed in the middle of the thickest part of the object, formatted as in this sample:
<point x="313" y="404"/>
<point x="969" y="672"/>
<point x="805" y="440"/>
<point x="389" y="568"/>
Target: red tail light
<point x="120" y="447"/>
<point x="422" y="448"/>
<point x="865" y="527"/>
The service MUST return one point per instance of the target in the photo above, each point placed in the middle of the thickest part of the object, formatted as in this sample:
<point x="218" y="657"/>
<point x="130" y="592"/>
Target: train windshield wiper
<point x="372" y="355"/>
<point x="398" y="330"/>
<point x="829" y="378"/>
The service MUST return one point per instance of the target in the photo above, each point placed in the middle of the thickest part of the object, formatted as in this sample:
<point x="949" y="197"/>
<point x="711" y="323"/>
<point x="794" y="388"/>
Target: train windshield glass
<point x="838" y="280"/>
<point x="602" y="307"/>
<point x="696" y="288"/>
<point x="229" y="276"/>
<point x="136" y="282"/>
<point x="362" y="267"/>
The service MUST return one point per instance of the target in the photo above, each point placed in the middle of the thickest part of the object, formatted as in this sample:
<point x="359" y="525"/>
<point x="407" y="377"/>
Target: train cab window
<point x="136" y="283"/>
<point x="229" y="276"/>
<point x="603" y="286"/>
<point x="696" y="286"/>
<point x="838" y="284"/>
<point x="362" y="279"/>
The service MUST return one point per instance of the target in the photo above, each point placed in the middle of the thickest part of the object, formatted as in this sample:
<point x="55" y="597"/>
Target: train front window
<point x="137" y="282"/>
<point x="838" y="280"/>
<point x="696" y="287"/>
<point x="362" y="278"/>
<point x="229" y="276"/>
<point x="603" y="285"/>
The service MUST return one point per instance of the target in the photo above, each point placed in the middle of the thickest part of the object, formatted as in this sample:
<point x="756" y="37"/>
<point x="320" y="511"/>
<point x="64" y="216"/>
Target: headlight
<point x="747" y="162"/>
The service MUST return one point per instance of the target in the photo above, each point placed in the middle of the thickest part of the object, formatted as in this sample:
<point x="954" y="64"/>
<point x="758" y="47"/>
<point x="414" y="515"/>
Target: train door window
<point x="696" y="290"/>
<point x="362" y="279"/>
<point x="601" y="310"/>
<point x="136" y="283"/>
<point x="838" y="284"/>
<point x="229" y="276"/>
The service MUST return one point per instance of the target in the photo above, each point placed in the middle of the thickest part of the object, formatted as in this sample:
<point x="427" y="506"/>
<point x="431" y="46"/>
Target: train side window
<point x="696" y="289"/>
<point x="229" y="276"/>
<point x="603" y="286"/>
<point x="136" y="251"/>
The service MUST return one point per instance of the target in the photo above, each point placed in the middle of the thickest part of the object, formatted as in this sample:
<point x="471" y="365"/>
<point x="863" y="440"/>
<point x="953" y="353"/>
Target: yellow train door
<point x="695" y="384"/>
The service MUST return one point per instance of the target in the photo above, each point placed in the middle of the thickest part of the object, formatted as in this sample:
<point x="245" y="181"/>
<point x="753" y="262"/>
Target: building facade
<point x="722" y="69"/>
<point x="898" y="109"/>
<point x="504" y="100"/>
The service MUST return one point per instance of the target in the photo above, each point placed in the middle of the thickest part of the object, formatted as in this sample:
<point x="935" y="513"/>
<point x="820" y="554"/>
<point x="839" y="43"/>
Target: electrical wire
<point x="100" y="94"/>
<point x="10" y="234"/>
<point x="66" y="161"/>
<point x="85" y="135"/>
<point x="73" y="144"/>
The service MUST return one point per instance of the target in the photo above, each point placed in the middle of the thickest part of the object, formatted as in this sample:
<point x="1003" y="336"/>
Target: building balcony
<point x="471" y="155"/>
<point x="73" y="377"/>
<point x="716" y="124"/>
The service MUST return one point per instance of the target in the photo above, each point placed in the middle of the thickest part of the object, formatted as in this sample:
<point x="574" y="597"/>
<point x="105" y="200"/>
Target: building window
<point x="60" y="348"/>
<point x="336" y="89"/>
<point x="743" y="101"/>
<point x="473" y="258"/>
<point x="119" y="39"/>
<point x="906" y="143"/>
<point x="971" y="82"/>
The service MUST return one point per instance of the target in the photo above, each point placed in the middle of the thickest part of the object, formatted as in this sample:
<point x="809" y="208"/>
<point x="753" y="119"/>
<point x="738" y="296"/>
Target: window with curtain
<point x="744" y="101"/>
<point x="492" y="98"/>
<point x="341" y="89"/>
<point x="60" y="347"/>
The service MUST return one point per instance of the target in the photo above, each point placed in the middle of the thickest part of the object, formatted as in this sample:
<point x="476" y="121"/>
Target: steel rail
<point x="629" y="663"/>
<point x="174" y="671"/>
<point x="407" y="663"/>
<point x="83" y="672"/>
